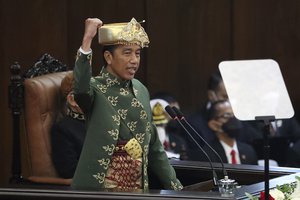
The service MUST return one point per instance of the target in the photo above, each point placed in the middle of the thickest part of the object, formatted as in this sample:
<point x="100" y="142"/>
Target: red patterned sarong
<point x="124" y="171"/>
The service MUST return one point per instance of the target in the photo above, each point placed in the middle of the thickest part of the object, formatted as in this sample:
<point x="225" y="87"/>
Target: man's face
<point x="224" y="112"/>
<point x="124" y="61"/>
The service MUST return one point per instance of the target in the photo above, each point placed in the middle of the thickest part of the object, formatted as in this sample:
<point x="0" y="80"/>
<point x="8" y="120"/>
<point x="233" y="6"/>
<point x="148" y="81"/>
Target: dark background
<point x="189" y="38"/>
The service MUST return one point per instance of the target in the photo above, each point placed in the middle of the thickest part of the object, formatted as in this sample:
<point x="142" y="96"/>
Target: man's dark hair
<point x="214" y="80"/>
<point x="212" y="112"/>
<point x="109" y="48"/>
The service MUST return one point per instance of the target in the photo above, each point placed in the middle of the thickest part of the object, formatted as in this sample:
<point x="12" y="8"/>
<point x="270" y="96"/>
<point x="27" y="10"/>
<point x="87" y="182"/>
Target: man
<point x="68" y="133"/>
<point x="199" y="120"/>
<point x="122" y="141"/>
<point x="227" y="128"/>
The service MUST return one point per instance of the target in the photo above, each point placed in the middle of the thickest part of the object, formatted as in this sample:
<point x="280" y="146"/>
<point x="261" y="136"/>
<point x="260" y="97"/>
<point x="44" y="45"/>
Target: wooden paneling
<point x="270" y="29"/>
<point x="28" y="30"/>
<point x="188" y="40"/>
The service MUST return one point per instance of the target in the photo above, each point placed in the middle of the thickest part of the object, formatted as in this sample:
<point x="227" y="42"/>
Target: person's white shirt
<point x="228" y="150"/>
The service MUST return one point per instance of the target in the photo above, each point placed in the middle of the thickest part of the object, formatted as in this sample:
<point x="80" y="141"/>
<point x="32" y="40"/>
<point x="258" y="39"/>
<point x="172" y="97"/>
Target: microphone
<point x="173" y="115"/>
<point x="179" y="115"/>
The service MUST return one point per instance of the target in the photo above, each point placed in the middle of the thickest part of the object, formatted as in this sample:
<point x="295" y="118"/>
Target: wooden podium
<point x="195" y="176"/>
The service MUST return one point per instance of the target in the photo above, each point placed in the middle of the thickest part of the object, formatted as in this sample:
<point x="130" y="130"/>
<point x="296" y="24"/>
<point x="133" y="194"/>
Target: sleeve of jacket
<point x="159" y="164"/>
<point x="82" y="77"/>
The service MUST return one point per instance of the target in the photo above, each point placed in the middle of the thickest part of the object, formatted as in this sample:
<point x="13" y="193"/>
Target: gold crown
<point x="123" y="33"/>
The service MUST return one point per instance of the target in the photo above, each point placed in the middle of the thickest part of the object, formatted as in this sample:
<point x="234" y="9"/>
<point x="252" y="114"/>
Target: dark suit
<point x="199" y="121"/>
<point x="67" y="140"/>
<point x="246" y="152"/>
<point x="289" y="128"/>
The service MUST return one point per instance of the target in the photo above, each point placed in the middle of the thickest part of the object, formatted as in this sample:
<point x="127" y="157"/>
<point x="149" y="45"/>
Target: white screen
<point x="256" y="89"/>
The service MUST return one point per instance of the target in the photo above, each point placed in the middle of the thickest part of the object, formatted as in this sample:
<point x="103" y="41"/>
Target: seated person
<point x="173" y="144"/>
<point x="68" y="133"/>
<point x="226" y="128"/>
<point x="199" y="120"/>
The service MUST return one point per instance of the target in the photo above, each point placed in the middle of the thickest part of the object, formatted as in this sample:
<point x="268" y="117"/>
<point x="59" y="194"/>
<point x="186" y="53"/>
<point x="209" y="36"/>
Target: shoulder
<point x="139" y="84"/>
<point x="142" y="90"/>
<point x="245" y="147"/>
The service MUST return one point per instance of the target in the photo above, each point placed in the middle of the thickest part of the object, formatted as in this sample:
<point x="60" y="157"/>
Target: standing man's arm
<point x="83" y="70"/>
<point x="91" y="27"/>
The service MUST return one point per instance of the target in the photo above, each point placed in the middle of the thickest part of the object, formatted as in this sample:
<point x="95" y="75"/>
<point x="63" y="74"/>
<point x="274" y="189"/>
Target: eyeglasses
<point x="225" y="115"/>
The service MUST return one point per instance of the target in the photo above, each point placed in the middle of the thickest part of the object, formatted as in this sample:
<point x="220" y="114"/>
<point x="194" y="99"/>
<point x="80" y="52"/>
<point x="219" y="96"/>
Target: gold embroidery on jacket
<point x="124" y="92"/>
<point x="102" y="88"/>
<point x="109" y="149"/>
<point x="113" y="100"/>
<point x="132" y="125"/>
<point x="145" y="157"/>
<point x="148" y="127"/>
<point x="104" y="162"/>
<point x="117" y="119"/>
<point x="146" y="184"/>
<point x="135" y="91"/>
<point x="102" y="75"/>
<point x="100" y="177"/>
<point x="145" y="166"/>
<point x="122" y="113"/>
<point x="135" y="103"/>
<point x="146" y="149"/>
<point x="176" y="186"/>
<point x="110" y="82"/>
<point x="114" y="134"/>
<point x="143" y="114"/>
<point x="140" y="137"/>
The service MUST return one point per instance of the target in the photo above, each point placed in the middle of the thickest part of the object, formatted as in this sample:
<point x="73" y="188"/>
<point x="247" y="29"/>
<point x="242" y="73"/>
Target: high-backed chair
<point x="41" y="102"/>
<point x="41" y="106"/>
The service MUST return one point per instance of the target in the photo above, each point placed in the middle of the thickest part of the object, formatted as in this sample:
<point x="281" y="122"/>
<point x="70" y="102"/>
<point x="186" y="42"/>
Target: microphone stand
<point x="226" y="186"/>
<point x="172" y="114"/>
<point x="182" y="118"/>
<point x="267" y="125"/>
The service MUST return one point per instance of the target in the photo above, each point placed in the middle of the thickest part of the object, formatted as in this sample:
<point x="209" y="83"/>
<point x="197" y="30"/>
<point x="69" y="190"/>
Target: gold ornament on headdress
<point x="159" y="116"/>
<point x="123" y="33"/>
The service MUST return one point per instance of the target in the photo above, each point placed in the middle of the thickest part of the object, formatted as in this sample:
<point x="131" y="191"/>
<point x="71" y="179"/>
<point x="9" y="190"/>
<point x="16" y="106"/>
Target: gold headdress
<point x="123" y="33"/>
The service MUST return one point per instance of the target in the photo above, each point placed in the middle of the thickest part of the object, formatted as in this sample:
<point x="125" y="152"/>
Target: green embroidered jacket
<point x="116" y="110"/>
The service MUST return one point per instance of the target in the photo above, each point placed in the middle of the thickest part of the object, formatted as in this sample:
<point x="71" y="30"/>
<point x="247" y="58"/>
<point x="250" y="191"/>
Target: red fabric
<point x="233" y="158"/>
<point x="166" y="145"/>
<point x="262" y="196"/>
